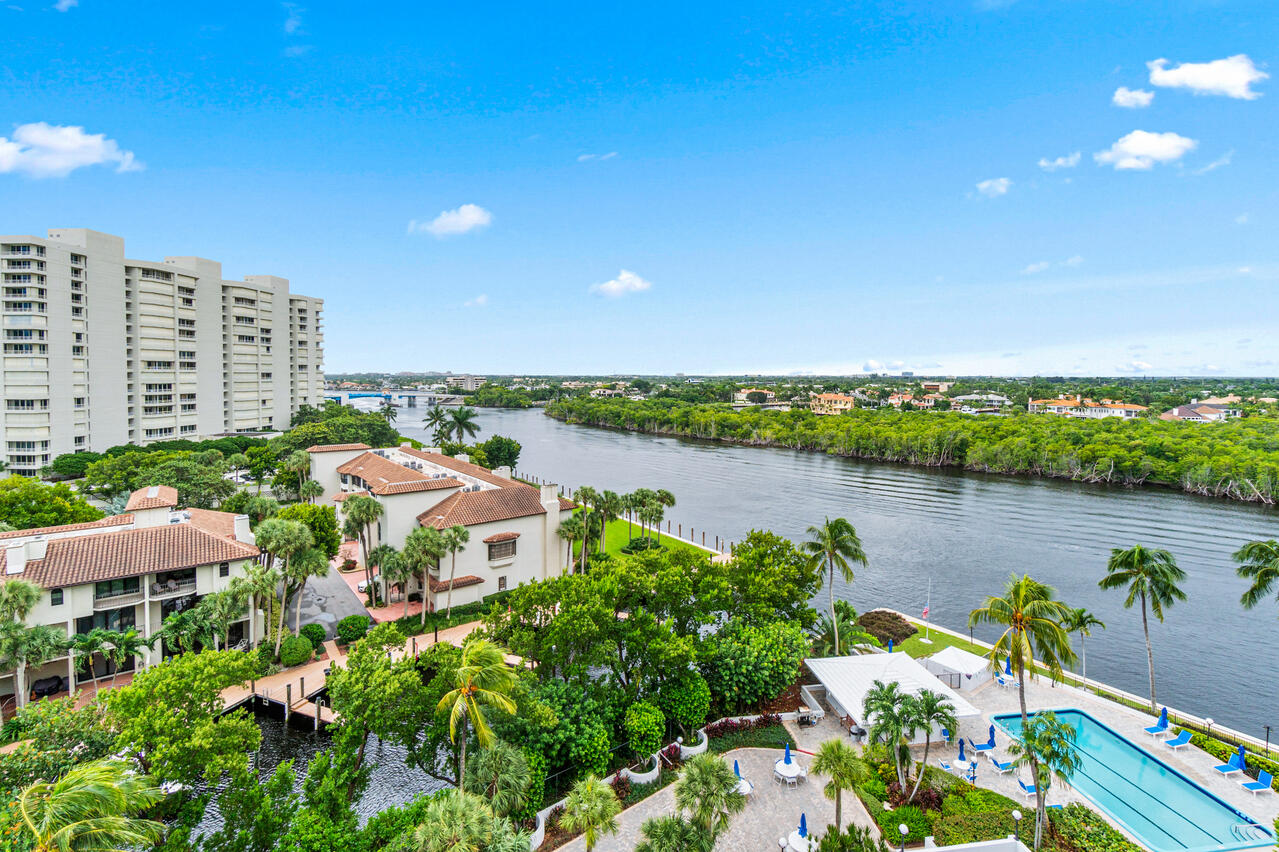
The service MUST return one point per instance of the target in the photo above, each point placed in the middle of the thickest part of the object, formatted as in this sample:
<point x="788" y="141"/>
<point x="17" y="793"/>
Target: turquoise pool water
<point x="1163" y="809"/>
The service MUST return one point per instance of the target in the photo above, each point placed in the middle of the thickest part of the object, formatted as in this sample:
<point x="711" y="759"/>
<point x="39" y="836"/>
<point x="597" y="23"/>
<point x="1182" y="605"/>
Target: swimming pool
<point x="1163" y="809"/>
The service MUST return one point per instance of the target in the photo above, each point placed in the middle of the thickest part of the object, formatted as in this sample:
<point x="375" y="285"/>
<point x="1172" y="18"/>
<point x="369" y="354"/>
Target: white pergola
<point x="849" y="679"/>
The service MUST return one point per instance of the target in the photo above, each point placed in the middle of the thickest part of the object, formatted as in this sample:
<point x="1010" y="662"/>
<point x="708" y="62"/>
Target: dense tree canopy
<point x="28" y="503"/>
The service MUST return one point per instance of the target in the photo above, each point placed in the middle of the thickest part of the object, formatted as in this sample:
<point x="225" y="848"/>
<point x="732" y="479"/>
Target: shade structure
<point x="890" y="646"/>
<point x="1163" y="718"/>
<point x="961" y="750"/>
<point x="1243" y="758"/>
<point x="1008" y="666"/>
<point x="803" y="825"/>
<point x="849" y="679"/>
<point x="737" y="770"/>
<point x="992" y="735"/>
<point x="786" y="759"/>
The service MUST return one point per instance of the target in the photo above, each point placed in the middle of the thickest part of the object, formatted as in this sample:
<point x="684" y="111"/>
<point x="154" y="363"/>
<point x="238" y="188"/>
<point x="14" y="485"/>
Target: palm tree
<point x="1048" y="747"/>
<point x="885" y="706"/>
<point x="610" y="507"/>
<point x="387" y="411"/>
<point x="707" y="791"/>
<point x="1080" y="620"/>
<point x="457" y="821"/>
<point x="128" y="644"/>
<point x="670" y="833"/>
<point x="664" y="500"/>
<point x="500" y="775"/>
<point x="1259" y="563"/>
<point x="310" y="490"/>
<point x="259" y="508"/>
<point x="285" y="540"/>
<point x="85" y="646"/>
<point x="424" y="548"/>
<point x="90" y="809"/>
<point x="572" y="529"/>
<point x="456" y="538"/>
<point x="298" y="462"/>
<point x="361" y="513"/>
<point x="1032" y="621"/>
<point x="629" y="505"/>
<point x="929" y="710"/>
<point x="23" y="648"/>
<point x="482" y="678"/>
<point x="850" y="632"/>
<point x="437" y="423"/>
<point x="259" y="582"/>
<point x="1150" y="576"/>
<point x="591" y="808"/>
<point x="186" y="629"/>
<point x="17" y="598"/>
<point x="834" y="544"/>
<point x="838" y="761"/>
<point x="462" y="424"/>
<point x="308" y="563"/>
<point x="377" y="557"/>
<point x="224" y="608"/>
<point x="395" y="571"/>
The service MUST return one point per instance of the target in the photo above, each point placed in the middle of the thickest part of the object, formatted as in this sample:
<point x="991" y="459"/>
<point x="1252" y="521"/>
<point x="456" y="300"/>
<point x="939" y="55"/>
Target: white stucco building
<point x="101" y="350"/>
<point x="513" y="526"/>
<point x="123" y="571"/>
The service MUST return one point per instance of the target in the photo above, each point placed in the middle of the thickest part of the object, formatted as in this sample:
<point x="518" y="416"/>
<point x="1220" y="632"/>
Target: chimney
<point x="37" y="548"/>
<point x="462" y="457"/>
<point x="504" y="471"/>
<point x="15" y="558"/>
<point x="242" y="531"/>
<point x="550" y="493"/>
<point x="435" y="450"/>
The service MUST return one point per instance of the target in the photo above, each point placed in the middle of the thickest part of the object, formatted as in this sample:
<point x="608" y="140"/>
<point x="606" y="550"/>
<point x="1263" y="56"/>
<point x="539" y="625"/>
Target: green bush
<point x="912" y="817"/>
<point x="876" y="787"/>
<point x="973" y="827"/>
<point x="886" y="626"/>
<point x="266" y="659"/>
<point x="352" y="628"/>
<point x="645" y="725"/>
<point x="295" y="650"/>
<point x="1078" y="829"/>
<point x="314" y="634"/>
<point x="686" y="700"/>
<point x="976" y="801"/>
<point x="852" y="839"/>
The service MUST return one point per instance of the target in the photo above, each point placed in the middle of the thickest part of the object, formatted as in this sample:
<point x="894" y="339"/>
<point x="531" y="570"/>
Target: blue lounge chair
<point x="1002" y="767"/>
<point x="945" y="766"/>
<point x="1026" y="789"/>
<point x="981" y="748"/>
<point x="945" y="735"/>
<point x="1264" y="782"/>
<point x="1161" y="727"/>
<point x="1230" y="768"/>
<point x="1182" y="739"/>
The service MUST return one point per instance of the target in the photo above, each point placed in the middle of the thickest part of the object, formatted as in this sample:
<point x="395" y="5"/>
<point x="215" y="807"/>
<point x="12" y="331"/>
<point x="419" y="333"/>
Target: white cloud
<point x="625" y="282"/>
<point x="478" y="302"/>
<point x="994" y="187"/>
<point x="293" y="18"/>
<point x="66" y="5"/>
<point x="468" y="217"/>
<point x="1134" y="367"/>
<point x="1142" y="149"/>
<point x="1223" y="160"/>
<point x="1132" y="98"/>
<point x="1073" y="261"/>
<point x="1232" y="77"/>
<point x="1241" y="219"/>
<point x="586" y="158"/>
<point x="1067" y="162"/>
<point x="43" y="150"/>
<point x="1036" y="267"/>
<point x="872" y="366"/>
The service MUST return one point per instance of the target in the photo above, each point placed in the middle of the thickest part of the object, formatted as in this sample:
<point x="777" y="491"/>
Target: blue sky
<point x="697" y="187"/>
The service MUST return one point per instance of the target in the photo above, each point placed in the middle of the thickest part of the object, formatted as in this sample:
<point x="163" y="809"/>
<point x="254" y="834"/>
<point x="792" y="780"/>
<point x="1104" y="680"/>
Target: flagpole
<point x="928" y="605"/>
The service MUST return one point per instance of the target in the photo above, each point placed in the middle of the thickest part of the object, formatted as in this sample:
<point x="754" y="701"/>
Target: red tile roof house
<point x="123" y="571"/>
<point x="513" y="526"/>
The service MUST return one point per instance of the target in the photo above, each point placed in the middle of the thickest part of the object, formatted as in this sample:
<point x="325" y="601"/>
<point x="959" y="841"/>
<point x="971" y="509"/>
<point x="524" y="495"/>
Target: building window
<point x="55" y="597"/>
<point x="224" y="570"/>
<point x="501" y="550"/>
<point x="501" y="584"/>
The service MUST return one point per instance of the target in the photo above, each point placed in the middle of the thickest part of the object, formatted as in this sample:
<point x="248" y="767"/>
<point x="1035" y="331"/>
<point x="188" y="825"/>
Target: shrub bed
<point x="1223" y="752"/>
<point x="886" y="626"/>
<point x="353" y="628"/>
<point x="764" y="732"/>
<point x="973" y="827"/>
<point x="1075" y="828"/>
<point x="914" y="818"/>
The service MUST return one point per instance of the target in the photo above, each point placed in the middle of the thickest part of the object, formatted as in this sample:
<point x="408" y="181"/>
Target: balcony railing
<point x="160" y="591"/>
<point x="117" y="600"/>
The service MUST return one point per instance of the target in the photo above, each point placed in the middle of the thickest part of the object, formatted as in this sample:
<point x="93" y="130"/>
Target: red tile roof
<point x="419" y="485"/>
<point x="469" y="508"/>
<point x="502" y="536"/>
<point x="218" y="523"/>
<point x="458" y="583"/>
<point x="130" y="553"/>
<point x="333" y="448"/>
<point x="481" y="473"/>
<point x="343" y="495"/>
<point x="103" y="523"/>
<point x="152" y="497"/>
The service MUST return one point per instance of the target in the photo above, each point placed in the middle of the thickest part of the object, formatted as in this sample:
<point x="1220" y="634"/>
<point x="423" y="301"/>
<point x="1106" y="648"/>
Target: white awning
<point x="848" y="679"/>
<point x="961" y="661"/>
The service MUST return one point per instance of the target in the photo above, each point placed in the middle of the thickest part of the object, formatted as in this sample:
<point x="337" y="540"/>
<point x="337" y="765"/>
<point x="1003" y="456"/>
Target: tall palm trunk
<point x="834" y="622"/>
<point x="368" y="569"/>
<point x="1150" y="654"/>
<point x="297" y="612"/>
<point x="1083" y="655"/>
<point x="284" y="609"/>
<point x="603" y="533"/>
<point x="923" y="764"/>
<point x="425" y="583"/>
<point x="452" y="574"/>
<point x="461" y="760"/>
<point x="1034" y="764"/>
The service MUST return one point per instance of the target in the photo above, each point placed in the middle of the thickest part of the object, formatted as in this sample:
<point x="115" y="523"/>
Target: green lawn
<point x="616" y="538"/>
<point x="916" y="647"/>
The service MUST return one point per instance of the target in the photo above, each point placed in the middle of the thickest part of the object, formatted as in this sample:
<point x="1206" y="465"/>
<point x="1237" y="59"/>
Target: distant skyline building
<point x="101" y="350"/>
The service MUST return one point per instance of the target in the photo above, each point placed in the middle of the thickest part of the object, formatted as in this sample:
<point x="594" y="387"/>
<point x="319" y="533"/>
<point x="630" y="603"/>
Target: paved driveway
<point x="327" y="600"/>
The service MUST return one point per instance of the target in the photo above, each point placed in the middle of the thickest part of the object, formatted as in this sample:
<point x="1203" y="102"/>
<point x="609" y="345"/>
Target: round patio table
<point x="795" y="843"/>
<point x="744" y="787"/>
<point x="787" y="770"/>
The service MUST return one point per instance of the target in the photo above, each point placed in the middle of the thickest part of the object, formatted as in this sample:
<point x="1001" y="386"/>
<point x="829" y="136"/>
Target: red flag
<point x="925" y="612"/>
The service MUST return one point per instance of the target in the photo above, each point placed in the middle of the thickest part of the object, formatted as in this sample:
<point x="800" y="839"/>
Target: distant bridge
<point x="408" y="399"/>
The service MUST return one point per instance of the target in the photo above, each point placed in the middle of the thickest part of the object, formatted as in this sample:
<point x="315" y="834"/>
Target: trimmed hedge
<point x="295" y="650"/>
<point x="886" y="626"/>
<point x="353" y="628"/>
<point x="314" y="634"/>
<point x="973" y="827"/>
<point x="912" y="817"/>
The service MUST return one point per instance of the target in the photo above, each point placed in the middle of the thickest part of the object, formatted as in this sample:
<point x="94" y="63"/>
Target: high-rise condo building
<point x="100" y="350"/>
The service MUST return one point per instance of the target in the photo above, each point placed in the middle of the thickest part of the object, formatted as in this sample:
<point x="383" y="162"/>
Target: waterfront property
<point x="1075" y="406"/>
<point x="833" y="403"/>
<point x="513" y="526"/>
<point x="1202" y="412"/>
<point x="101" y="350"/>
<point x="1155" y="803"/>
<point x="125" y="571"/>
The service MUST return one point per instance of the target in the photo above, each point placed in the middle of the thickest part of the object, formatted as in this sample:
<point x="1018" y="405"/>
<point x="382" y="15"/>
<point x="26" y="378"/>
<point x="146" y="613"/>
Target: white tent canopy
<point x="959" y="668"/>
<point x="848" y="679"/>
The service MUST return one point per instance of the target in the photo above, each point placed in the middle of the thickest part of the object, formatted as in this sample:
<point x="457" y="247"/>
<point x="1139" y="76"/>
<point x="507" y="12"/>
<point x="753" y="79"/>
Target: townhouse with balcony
<point x="513" y="526"/>
<point x="129" y="570"/>
<point x="100" y="350"/>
